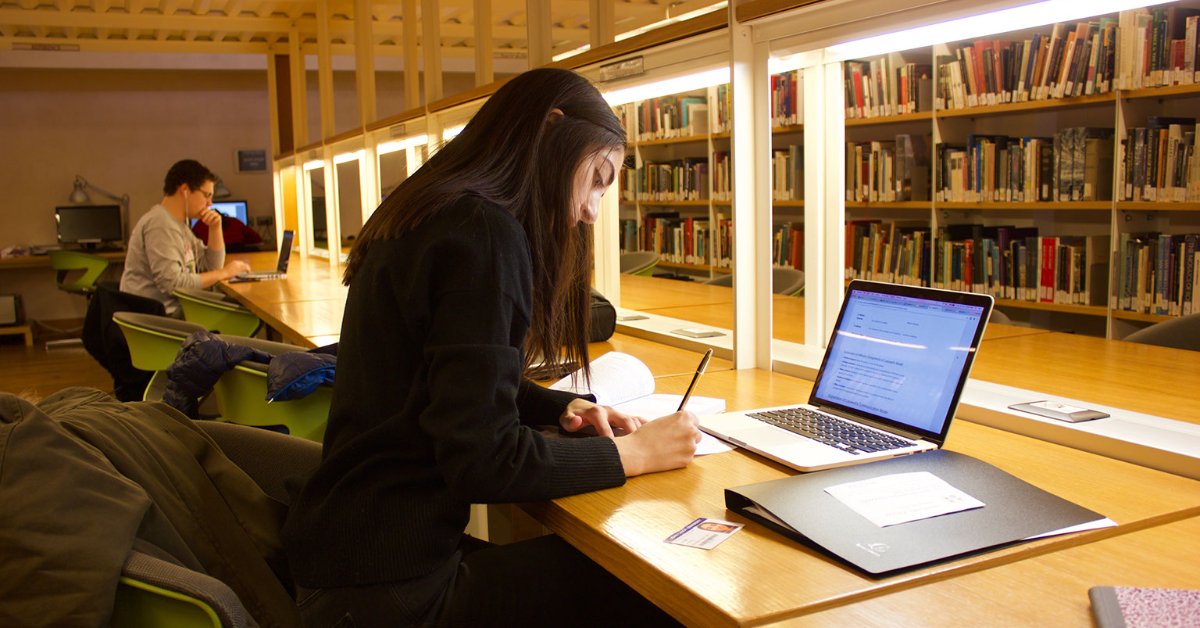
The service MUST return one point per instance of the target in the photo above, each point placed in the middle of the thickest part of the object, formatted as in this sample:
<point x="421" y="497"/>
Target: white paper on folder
<point x="902" y="497"/>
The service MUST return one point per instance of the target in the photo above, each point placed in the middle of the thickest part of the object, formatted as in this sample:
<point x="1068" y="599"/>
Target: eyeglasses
<point x="207" y="195"/>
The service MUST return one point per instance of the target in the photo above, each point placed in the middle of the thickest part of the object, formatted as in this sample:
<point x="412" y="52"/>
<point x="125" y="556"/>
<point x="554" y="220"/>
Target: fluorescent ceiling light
<point x="391" y="147"/>
<point x="313" y="165"/>
<point x="671" y="20"/>
<point x="669" y="86"/>
<point x="344" y="157"/>
<point x="1016" y="18"/>
<point x="571" y="53"/>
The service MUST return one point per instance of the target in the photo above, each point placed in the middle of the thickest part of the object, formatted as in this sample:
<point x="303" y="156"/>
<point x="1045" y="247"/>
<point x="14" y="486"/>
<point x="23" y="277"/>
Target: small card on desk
<point x="704" y="533"/>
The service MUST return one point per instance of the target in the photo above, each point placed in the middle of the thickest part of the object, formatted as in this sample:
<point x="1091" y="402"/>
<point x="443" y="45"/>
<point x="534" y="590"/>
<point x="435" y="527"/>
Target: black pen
<point x="696" y="378"/>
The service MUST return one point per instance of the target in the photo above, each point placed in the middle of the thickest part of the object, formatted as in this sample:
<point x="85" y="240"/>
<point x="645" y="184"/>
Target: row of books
<point x="881" y="88"/>
<point x="1067" y="62"/>
<point x="1074" y="165"/>
<point x="722" y="122"/>
<point x="685" y="179"/>
<point x="1143" y="48"/>
<point x="787" y="98"/>
<point x="1004" y="261"/>
<point x="894" y="252"/>
<point x="888" y="171"/>
<point x="677" y="180"/>
<point x="1163" y="46"/>
<point x="788" y="245"/>
<point x="1156" y="274"/>
<point x="680" y="240"/>
<point x="787" y="173"/>
<point x="672" y="116"/>
<point x="1160" y="162"/>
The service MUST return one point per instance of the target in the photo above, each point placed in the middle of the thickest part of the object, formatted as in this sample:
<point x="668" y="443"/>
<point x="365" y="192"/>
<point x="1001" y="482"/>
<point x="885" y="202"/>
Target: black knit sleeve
<point x="541" y="406"/>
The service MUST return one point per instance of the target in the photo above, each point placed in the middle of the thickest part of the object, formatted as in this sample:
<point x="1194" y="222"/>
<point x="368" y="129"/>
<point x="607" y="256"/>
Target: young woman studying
<point x="474" y="268"/>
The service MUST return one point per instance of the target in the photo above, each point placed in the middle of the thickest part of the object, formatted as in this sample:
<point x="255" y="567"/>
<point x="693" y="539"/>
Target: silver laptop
<point x="285" y="254"/>
<point x="889" y="384"/>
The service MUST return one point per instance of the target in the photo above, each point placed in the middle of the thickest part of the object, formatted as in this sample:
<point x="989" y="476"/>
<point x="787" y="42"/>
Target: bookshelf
<point x="980" y="127"/>
<point x="675" y="199"/>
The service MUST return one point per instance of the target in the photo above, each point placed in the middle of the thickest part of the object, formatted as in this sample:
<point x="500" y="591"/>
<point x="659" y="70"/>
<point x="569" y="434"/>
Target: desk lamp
<point x="220" y="191"/>
<point x="79" y="196"/>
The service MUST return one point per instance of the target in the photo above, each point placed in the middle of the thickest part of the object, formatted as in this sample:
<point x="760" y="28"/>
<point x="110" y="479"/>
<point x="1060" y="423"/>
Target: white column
<point x="538" y="26"/>
<point x="483" y="43"/>
<point x="364" y="61"/>
<point x="325" y="69"/>
<point x="601" y="23"/>
<point x="751" y="201"/>
<point x="412" y="71"/>
<point x="431" y="49"/>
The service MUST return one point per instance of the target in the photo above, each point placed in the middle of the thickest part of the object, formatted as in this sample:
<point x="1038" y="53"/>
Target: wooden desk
<point x="307" y="308"/>
<point x="1143" y="378"/>
<point x="758" y="576"/>
<point x="1048" y="590"/>
<point x="652" y="293"/>
<point x="43" y="261"/>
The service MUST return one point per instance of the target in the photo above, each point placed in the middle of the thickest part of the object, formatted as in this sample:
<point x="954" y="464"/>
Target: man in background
<point x="164" y="255"/>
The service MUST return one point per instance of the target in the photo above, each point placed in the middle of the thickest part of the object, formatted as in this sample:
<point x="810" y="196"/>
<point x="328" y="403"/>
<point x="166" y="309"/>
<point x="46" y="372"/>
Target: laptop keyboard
<point x="830" y="430"/>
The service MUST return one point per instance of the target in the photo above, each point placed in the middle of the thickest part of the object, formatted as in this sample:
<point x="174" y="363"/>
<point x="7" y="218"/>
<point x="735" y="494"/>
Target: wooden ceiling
<point x="254" y="26"/>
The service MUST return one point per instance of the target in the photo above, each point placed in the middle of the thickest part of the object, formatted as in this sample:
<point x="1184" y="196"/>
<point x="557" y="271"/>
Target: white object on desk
<point x="625" y="383"/>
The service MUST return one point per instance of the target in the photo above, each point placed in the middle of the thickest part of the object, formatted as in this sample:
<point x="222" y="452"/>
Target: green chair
<point x="217" y="314"/>
<point x="66" y="262"/>
<point x="242" y="396"/>
<point x="155" y="592"/>
<point x="784" y="281"/>
<point x="639" y="263"/>
<point x="153" y="343"/>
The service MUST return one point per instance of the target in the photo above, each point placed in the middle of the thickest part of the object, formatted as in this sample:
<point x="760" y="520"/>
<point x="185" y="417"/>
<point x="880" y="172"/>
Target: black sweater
<point x="430" y="413"/>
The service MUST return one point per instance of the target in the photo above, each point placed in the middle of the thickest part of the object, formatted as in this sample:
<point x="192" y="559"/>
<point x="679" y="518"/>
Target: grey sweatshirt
<point x="164" y="255"/>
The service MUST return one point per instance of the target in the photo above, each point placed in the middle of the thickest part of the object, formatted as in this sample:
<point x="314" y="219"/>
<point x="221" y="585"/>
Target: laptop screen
<point x="285" y="251"/>
<point x="900" y="355"/>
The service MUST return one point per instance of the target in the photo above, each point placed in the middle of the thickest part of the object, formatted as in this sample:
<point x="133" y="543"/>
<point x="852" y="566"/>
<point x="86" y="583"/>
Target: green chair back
<point x="241" y="398"/>
<point x="140" y="604"/>
<point x="218" y="316"/>
<point x="64" y="262"/>
<point x="149" y="350"/>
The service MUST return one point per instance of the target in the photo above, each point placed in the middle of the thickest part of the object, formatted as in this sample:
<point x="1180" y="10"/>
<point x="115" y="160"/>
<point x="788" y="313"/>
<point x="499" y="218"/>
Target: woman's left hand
<point x="582" y="413"/>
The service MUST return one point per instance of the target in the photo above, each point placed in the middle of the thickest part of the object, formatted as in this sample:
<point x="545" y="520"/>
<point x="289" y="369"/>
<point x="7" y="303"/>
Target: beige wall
<point x="121" y="130"/>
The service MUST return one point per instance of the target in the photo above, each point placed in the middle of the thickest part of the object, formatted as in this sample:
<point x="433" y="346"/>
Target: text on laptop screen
<point x="899" y="357"/>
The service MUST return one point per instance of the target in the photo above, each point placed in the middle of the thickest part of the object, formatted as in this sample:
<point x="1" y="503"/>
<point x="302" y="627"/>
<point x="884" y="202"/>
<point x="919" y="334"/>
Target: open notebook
<point x="626" y="383"/>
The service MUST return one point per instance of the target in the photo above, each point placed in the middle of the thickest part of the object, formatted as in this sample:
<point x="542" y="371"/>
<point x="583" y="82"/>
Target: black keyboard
<point x="830" y="430"/>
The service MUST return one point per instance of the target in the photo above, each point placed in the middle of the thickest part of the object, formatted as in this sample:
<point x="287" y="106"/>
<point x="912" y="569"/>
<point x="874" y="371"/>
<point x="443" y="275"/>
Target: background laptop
<point x="891" y="379"/>
<point x="285" y="253"/>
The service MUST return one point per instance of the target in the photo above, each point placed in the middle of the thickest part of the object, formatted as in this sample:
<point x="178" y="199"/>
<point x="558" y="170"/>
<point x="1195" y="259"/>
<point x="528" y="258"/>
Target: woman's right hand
<point x="660" y="445"/>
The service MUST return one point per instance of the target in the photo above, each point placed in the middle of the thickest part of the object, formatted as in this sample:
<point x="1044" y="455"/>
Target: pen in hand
<point x="695" y="378"/>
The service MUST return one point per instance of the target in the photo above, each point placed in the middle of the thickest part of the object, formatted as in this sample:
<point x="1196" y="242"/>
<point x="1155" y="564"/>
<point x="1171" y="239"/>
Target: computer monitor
<point x="90" y="225"/>
<point x="233" y="209"/>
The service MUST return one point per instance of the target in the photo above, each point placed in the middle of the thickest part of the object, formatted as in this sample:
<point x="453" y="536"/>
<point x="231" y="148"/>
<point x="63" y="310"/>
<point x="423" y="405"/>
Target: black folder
<point x="1014" y="510"/>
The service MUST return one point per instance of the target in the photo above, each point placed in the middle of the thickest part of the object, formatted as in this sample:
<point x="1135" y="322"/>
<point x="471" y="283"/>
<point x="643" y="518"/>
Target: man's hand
<point x="234" y="267"/>
<point x="212" y="218"/>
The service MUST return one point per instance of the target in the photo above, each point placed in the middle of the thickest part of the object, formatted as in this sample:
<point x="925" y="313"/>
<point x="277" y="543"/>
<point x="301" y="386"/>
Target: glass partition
<point x="348" y="170"/>
<point x="315" y="189"/>
<point x="674" y="227"/>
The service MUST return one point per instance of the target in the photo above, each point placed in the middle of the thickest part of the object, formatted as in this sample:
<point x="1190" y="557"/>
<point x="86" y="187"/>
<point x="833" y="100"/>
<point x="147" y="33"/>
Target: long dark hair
<point x="512" y="154"/>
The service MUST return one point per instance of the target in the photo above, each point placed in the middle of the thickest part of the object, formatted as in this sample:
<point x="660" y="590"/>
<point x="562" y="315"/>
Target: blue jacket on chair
<point x="204" y="357"/>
